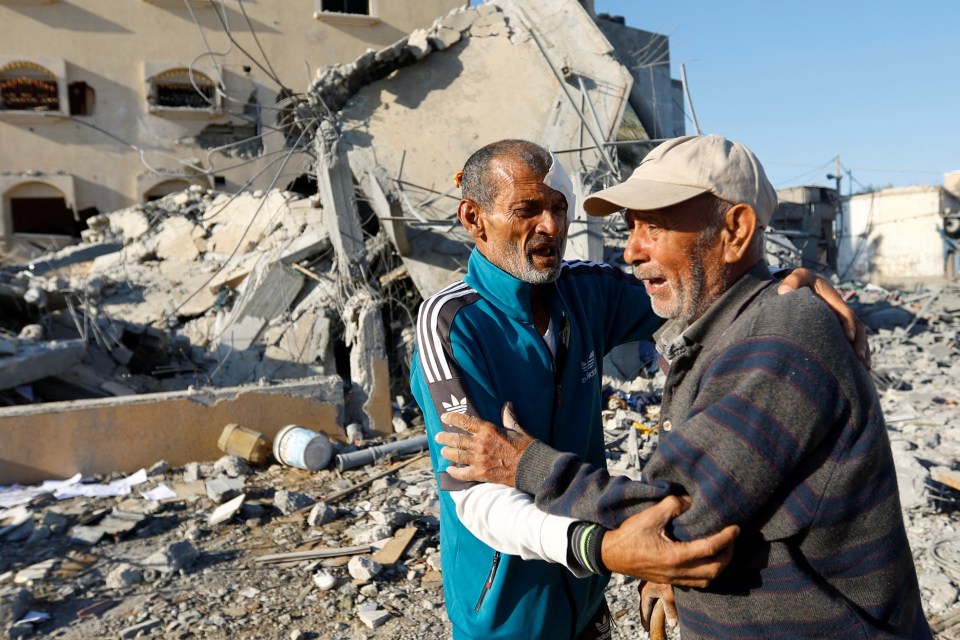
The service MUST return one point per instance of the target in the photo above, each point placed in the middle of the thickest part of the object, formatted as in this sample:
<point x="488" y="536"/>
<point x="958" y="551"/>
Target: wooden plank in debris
<point x="329" y="552"/>
<point x="392" y="551"/>
<point x="948" y="477"/>
<point x="946" y="621"/>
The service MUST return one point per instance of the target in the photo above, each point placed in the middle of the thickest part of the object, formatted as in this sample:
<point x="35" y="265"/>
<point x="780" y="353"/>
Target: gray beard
<point x="520" y="266"/>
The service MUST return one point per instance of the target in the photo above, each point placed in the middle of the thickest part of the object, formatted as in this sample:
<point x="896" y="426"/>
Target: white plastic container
<point x="298" y="446"/>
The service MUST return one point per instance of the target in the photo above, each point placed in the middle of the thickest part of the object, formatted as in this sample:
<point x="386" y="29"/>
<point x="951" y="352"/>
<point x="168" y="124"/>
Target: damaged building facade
<point x="106" y="104"/>
<point x="203" y="290"/>
<point x="901" y="236"/>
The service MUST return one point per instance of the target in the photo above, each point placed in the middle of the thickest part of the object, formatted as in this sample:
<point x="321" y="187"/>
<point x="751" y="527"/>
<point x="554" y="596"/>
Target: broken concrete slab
<point x="226" y="511"/>
<point x="335" y="187"/>
<point x="368" y="401"/>
<point x="59" y="439"/>
<point x="175" y="239"/>
<point x="264" y="295"/>
<point x="34" y="361"/>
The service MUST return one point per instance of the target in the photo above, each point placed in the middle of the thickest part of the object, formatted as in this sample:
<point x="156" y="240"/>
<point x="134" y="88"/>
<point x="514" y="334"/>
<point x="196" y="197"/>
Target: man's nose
<point x="636" y="251"/>
<point x="549" y="223"/>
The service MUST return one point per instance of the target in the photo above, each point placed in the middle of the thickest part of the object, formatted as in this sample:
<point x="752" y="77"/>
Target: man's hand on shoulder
<point x="485" y="452"/>
<point x="821" y="287"/>
<point x="641" y="548"/>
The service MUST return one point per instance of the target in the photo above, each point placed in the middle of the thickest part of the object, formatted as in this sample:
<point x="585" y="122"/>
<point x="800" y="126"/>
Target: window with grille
<point x="357" y="7"/>
<point x="26" y="86"/>
<point x="179" y="88"/>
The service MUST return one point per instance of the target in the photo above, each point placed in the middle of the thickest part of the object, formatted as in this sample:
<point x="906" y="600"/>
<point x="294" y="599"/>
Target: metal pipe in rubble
<point x="354" y="459"/>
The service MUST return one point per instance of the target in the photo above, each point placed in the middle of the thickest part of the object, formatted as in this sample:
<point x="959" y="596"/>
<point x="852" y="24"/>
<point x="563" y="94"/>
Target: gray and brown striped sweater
<point x="769" y="422"/>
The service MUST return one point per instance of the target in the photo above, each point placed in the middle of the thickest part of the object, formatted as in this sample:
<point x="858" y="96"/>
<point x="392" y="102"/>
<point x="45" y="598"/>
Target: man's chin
<point x="541" y="276"/>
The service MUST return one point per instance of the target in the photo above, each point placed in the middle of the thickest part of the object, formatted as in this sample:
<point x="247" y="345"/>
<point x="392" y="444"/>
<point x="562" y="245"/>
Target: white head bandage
<point x="558" y="179"/>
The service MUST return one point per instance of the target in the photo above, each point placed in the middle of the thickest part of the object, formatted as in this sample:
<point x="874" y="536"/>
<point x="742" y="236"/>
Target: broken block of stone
<point x="222" y="489"/>
<point x="489" y="25"/>
<point x="418" y="44"/>
<point x="289" y="501"/>
<point x="363" y="568"/>
<point x="124" y="575"/>
<point x="142" y="628"/>
<point x="172" y="557"/>
<point x="373" y="618"/>
<point x="233" y="466"/>
<point x="130" y="224"/>
<point x="175" y="239"/>
<point x="34" y="572"/>
<point x="86" y="535"/>
<point x="320" y="515"/>
<point x="227" y="510"/>
<point x="444" y="38"/>
<point x="459" y="20"/>
<point x="191" y="472"/>
<point x="912" y="477"/>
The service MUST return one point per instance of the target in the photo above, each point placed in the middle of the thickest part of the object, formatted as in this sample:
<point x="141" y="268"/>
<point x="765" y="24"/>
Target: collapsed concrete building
<point x="181" y="301"/>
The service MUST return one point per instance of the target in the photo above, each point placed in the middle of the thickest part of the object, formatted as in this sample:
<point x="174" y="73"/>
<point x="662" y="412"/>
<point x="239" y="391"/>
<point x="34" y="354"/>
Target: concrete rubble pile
<point x="282" y="552"/>
<point x="176" y="317"/>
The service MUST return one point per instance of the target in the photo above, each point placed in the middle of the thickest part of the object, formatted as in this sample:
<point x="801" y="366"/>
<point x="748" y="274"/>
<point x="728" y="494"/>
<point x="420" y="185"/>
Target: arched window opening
<point x="26" y="86"/>
<point x="165" y="188"/>
<point x="42" y="209"/>
<point x="179" y="88"/>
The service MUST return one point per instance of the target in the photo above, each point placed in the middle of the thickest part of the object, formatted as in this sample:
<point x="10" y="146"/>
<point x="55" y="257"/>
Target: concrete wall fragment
<point x="57" y="440"/>
<point x="368" y="401"/>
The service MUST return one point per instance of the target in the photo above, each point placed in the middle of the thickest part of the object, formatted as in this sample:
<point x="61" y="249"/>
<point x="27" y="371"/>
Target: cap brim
<point x="640" y="195"/>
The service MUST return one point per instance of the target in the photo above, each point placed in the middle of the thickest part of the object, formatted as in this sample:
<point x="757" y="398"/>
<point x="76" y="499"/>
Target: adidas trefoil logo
<point x="603" y="628"/>
<point x="589" y="366"/>
<point x="455" y="405"/>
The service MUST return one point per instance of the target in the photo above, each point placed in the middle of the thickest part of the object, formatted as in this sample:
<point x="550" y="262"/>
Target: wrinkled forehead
<point x="515" y="179"/>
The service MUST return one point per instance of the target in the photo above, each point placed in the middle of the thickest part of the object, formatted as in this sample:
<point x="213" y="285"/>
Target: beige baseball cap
<point x="683" y="168"/>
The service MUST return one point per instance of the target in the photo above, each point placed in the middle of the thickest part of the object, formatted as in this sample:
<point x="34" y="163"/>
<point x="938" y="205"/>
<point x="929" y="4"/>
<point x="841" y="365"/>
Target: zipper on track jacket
<point x="489" y="583"/>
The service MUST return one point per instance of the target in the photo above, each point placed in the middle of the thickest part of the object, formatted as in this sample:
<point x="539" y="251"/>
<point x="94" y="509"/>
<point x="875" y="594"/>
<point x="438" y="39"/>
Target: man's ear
<point x="469" y="215"/>
<point x="740" y="225"/>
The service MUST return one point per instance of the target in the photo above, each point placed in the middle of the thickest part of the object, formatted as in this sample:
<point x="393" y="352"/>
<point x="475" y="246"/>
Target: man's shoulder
<point x="437" y="312"/>
<point x="571" y="269"/>
<point x="447" y="301"/>
<point x="798" y="315"/>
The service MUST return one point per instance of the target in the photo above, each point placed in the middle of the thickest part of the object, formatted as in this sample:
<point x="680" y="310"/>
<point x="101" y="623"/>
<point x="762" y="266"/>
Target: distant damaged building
<point x="902" y="236"/>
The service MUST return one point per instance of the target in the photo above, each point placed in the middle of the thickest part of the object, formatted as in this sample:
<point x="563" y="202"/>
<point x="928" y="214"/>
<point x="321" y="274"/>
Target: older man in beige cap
<point x="768" y="422"/>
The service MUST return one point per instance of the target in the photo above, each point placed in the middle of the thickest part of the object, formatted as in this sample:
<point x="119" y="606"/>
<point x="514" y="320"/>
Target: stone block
<point x="289" y="501"/>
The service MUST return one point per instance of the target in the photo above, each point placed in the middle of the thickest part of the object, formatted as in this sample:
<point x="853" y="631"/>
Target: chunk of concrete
<point x="226" y="511"/>
<point x="444" y="38"/>
<point x="41" y="360"/>
<point x="172" y="557"/>
<point x="289" y="501"/>
<point x="124" y="575"/>
<point x="221" y="490"/>
<point x="363" y="568"/>
<point x="373" y="618"/>
<point x="175" y="239"/>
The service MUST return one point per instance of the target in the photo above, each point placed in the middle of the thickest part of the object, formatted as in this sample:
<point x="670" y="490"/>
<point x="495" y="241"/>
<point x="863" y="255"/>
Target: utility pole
<point x="837" y="175"/>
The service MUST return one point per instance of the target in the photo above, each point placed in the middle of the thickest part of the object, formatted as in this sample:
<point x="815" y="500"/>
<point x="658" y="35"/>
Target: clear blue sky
<point x="876" y="82"/>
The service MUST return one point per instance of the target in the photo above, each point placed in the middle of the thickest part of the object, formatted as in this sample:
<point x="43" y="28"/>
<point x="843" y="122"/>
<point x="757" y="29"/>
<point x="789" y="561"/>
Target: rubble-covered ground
<point x="126" y="565"/>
